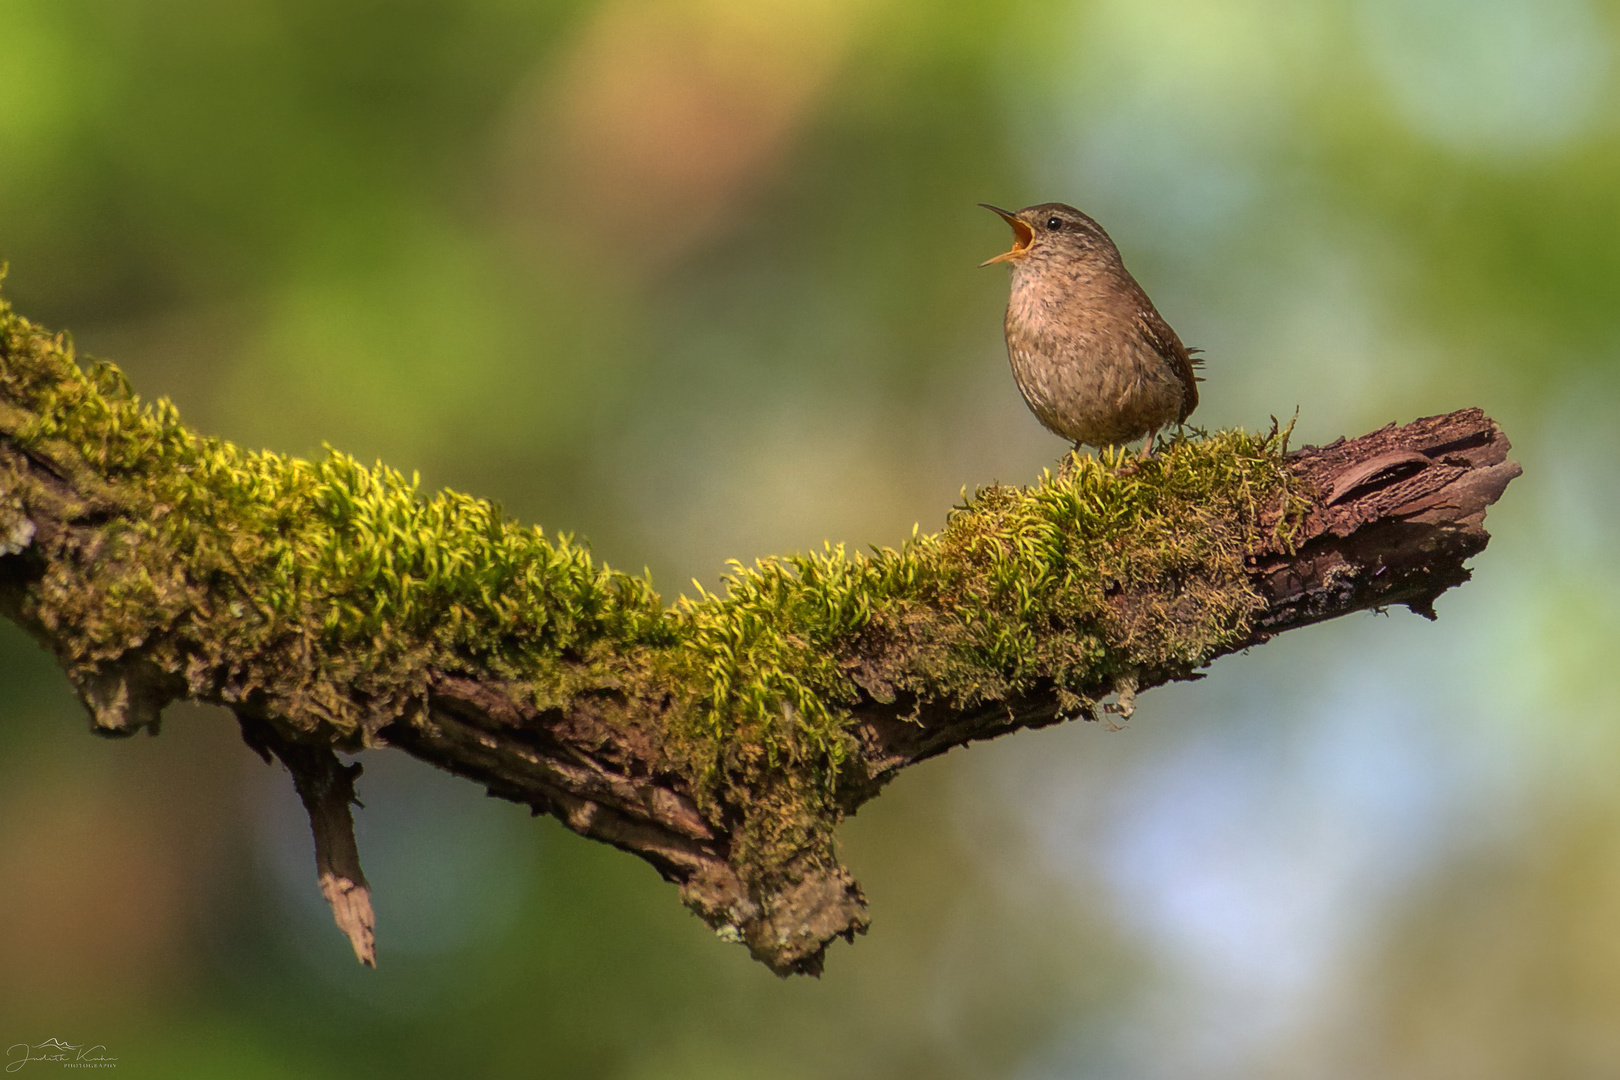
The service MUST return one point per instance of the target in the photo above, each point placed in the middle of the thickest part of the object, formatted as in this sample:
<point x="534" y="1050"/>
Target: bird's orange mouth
<point x="1023" y="236"/>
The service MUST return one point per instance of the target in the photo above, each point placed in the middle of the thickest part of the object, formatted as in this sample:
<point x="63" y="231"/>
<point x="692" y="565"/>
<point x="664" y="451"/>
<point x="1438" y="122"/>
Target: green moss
<point x="1107" y="569"/>
<point x="254" y="557"/>
<point x="328" y="591"/>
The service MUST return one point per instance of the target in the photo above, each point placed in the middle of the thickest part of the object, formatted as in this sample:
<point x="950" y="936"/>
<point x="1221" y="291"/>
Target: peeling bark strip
<point x="332" y="607"/>
<point x="1406" y="509"/>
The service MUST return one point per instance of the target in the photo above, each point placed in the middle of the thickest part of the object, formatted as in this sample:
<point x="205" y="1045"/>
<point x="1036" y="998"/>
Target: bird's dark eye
<point x="1054" y="223"/>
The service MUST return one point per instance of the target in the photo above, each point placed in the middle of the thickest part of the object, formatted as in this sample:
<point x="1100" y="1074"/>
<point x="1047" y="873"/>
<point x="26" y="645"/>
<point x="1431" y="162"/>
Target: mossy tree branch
<point x="333" y="608"/>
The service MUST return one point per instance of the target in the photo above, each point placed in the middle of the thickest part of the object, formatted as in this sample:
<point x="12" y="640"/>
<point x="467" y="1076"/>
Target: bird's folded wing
<point x="1157" y="332"/>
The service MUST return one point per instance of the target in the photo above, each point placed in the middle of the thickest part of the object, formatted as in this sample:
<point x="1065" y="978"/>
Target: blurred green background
<point x="696" y="279"/>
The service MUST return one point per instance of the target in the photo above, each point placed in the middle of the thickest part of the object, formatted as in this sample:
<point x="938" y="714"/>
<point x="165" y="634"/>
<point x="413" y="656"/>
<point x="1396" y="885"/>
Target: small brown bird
<point x="1095" y="361"/>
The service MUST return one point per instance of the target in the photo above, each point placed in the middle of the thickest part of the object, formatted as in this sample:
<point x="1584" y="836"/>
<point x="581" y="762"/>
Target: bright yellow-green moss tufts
<point x="333" y="589"/>
<point x="344" y="572"/>
<point x="1110" y="568"/>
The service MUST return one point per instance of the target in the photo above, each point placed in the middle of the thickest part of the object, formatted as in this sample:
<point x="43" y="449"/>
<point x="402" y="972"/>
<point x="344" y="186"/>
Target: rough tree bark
<point x="113" y="555"/>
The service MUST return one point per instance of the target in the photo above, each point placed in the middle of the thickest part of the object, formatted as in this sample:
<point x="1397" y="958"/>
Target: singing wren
<point x="1095" y="361"/>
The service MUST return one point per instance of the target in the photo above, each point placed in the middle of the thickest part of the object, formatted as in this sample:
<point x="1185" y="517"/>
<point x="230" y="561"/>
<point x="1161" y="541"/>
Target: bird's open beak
<point x="1023" y="236"/>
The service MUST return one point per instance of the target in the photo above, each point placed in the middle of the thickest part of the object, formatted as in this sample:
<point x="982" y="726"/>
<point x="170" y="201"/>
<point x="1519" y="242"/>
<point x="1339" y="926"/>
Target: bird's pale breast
<point x="1095" y="378"/>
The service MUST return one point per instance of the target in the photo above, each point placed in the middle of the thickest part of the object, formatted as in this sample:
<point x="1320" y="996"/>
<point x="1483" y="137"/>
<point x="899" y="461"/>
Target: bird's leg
<point x="1147" y="445"/>
<point x="1068" y="462"/>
